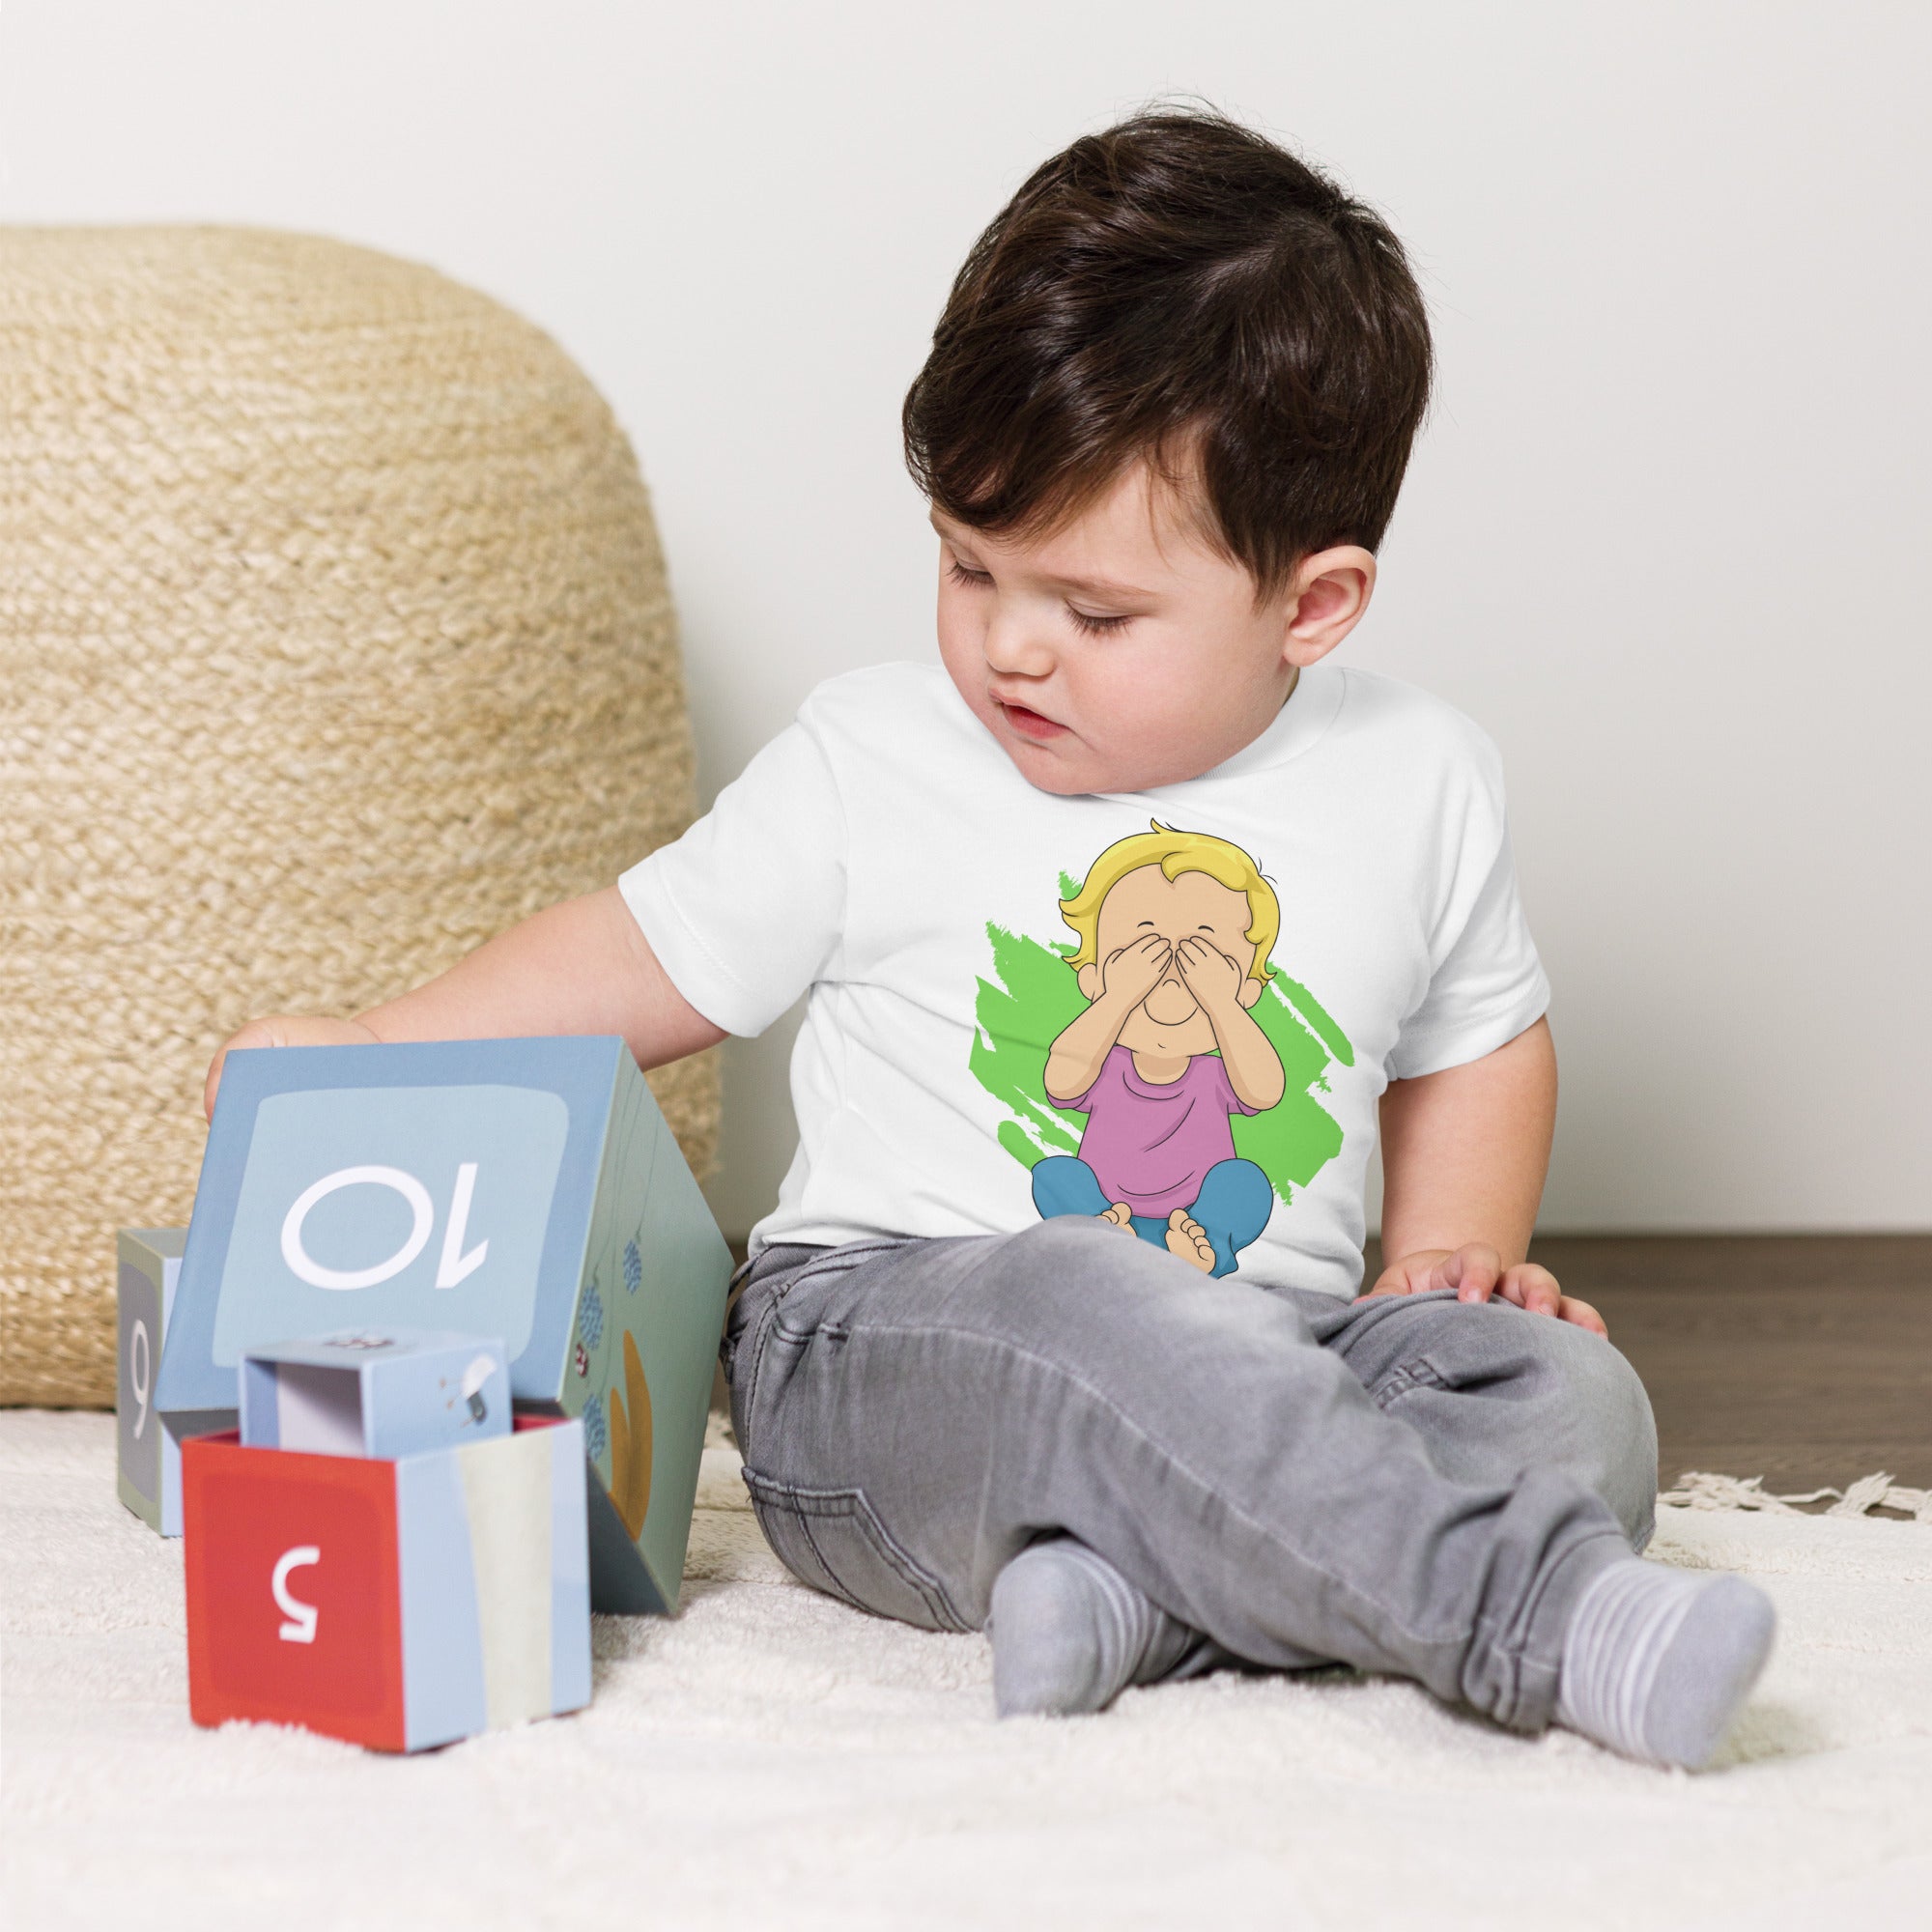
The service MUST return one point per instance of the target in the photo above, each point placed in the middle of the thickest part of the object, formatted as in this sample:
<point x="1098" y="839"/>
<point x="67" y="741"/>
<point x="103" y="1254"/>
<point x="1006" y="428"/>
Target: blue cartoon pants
<point x="1233" y="1206"/>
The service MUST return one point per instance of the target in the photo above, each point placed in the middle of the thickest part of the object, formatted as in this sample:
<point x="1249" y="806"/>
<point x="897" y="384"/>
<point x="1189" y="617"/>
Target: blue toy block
<point x="525" y="1188"/>
<point x="402" y="1604"/>
<point x="149" y="1473"/>
<point x="379" y="1395"/>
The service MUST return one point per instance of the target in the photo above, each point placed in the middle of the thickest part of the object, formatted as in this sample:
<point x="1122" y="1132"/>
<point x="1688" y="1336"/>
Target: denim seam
<point x="1404" y="1377"/>
<point x="768" y="1323"/>
<point x="839" y="1589"/>
<point x="803" y="1502"/>
<point x="1513" y="1648"/>
<point x="780" y="1504"/>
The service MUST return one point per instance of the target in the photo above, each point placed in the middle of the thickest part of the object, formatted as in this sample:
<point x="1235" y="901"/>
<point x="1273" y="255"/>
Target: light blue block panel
<point x="495" y="1583"/>
<point x="657" y="1271"/>
<point x="525" y="1188"/>
<point x="569" y="1572"/>
<point x="381" y="1393"/>
<point x="444" y="1694"/>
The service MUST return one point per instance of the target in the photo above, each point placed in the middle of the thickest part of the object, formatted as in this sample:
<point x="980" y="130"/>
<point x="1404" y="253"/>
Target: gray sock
<point x="1656" y="1662"/>
<point x="1071" y="1634"/>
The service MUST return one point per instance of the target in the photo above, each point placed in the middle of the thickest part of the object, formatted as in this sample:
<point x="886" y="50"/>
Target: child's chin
<point x="1164" y="1037"/>
<point x="1171" y="1021"/>
<point x="1047" y="772"/>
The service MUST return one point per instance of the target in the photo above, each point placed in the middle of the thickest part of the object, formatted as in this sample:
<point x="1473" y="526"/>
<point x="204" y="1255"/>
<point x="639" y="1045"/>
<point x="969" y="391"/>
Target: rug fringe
<point x="1699" y="1489"/>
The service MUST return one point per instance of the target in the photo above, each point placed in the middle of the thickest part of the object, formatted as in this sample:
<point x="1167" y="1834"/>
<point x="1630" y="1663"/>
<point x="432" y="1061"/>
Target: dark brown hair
<point x="1178" y="290"/>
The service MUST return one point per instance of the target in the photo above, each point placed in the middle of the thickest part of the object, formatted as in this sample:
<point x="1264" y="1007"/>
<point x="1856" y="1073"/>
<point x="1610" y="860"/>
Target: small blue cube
<point x="383" y="1394"/>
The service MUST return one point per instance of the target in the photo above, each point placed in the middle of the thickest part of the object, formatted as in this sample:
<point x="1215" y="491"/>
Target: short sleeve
<point x="1235" y="1103"/>
<point x="1485" y="984"/>
<point x="744" y="911"/>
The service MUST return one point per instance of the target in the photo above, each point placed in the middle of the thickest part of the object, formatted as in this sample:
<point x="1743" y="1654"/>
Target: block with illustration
<point x="522" y="1188"/>
<point x="397" y="1604"/>
<point x="384" y="1393"/>
<point x="149" y="1473"/>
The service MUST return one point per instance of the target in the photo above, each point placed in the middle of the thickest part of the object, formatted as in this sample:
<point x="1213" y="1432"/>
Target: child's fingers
<point x="1583" y="1316"/>
<point x="1195" y="954"/>
<point x="1472" y="1272"/>
<point x="1402" y="1277"/>
<point x="257" y="1033"/>
<point x="1533" y="1289"/>
<point x="1412" y="1275"/>
<point x="282" y="1030"/>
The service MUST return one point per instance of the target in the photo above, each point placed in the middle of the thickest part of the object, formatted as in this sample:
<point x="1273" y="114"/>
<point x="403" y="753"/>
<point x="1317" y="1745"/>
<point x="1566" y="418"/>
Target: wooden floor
<point x="1804" y="1359"/>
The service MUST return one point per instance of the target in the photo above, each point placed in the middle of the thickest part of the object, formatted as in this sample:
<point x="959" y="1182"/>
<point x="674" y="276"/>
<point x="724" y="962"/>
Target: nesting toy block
<point x="380" y="1395"/>
<point x="395" y="1604"/>
<point x="524" y="1188"/>
<point x="148" y="1474"/>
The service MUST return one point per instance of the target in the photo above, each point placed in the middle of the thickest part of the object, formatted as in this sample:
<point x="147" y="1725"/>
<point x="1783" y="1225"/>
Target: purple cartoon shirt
<point x="1150" y="1146"/>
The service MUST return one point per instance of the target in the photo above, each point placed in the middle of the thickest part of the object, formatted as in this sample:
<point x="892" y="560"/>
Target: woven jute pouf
<point x="334" y="638"/>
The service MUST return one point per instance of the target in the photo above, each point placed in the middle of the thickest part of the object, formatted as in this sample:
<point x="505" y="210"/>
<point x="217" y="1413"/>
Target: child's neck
<point x="1160" y="1069"/>
<point x="1267" y="724"/>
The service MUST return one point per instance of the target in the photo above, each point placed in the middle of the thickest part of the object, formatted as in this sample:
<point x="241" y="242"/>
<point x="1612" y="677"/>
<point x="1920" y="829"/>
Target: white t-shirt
<point x="884" y="855"/>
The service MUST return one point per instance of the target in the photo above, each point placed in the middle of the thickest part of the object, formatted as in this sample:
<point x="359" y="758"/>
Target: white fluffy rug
<point x="771" y="1759"/>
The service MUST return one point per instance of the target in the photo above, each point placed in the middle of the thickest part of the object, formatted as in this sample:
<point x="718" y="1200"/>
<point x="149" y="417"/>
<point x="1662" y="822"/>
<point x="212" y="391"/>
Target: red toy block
<point x="401" y="1603"/>
<point x="294" y="1609"/>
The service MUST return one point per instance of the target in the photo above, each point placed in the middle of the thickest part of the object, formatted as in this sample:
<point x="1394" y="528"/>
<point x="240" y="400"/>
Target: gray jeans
<point x="1410" y="1485"/>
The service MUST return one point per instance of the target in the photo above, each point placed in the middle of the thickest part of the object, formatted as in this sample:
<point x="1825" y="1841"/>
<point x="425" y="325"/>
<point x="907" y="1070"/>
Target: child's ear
<point x="1325" y="601"/>
<point x="1089" y="976"/>
<point x="1249" y="992"/>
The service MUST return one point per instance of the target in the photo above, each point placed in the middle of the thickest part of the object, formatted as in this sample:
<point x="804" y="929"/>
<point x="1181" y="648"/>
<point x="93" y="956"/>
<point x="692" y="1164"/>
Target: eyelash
<point x="1094" y="627"/>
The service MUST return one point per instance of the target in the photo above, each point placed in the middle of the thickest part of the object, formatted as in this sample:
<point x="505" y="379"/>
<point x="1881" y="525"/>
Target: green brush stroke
<point x="1035" y="998"/>
<point x="1312" y="1010"/>
<point x="1297" y="1136"/>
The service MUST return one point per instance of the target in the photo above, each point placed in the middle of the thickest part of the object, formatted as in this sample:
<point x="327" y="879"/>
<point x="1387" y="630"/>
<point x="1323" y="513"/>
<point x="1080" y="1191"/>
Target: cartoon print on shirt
<point x="1177" y="1067"/>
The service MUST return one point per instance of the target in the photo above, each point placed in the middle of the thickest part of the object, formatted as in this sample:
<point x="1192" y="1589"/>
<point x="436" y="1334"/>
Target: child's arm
<point x="1126" y="978"/>
<point x="582" y="967"/>
<point x="1465" y="1153"/>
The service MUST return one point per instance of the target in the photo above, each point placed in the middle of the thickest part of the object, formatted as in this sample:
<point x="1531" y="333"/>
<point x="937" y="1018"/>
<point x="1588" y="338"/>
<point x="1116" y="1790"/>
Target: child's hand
<point x="1132" y="973"/>
<point x="1476" y="1272"/>
<point x="285" y="1030"/>
<point x="1209" y="974"/>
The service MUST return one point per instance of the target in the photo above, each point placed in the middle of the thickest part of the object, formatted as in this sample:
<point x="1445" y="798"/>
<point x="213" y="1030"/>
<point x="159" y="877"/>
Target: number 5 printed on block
<point x="301" y="1616"/>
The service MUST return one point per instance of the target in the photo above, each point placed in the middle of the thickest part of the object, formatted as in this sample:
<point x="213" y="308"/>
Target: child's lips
<point x="1030" y="724"/>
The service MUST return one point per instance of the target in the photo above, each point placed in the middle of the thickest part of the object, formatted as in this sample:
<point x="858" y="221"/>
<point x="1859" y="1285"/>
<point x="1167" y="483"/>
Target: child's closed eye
<point x="973" y="579"/>
<point x="1098" y="626"/>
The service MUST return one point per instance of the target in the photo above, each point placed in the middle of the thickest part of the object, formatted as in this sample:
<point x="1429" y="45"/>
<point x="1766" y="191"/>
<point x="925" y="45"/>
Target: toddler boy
<point x="1162" y="428"/>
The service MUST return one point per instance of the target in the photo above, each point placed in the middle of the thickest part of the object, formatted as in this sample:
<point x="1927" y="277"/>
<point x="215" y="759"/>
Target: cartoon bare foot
<point x="1119" y="1215"/>
<point x="1188" y="1238"/>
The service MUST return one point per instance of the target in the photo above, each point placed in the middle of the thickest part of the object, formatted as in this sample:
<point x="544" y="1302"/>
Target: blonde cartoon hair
<point x="1175" y="852"/>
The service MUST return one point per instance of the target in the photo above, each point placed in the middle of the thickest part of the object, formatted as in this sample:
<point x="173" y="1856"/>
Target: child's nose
<point x="1015" y="649"/>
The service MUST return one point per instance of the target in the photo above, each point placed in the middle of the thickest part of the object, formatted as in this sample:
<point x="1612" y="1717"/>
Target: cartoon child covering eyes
<point x="1175" y="929"/>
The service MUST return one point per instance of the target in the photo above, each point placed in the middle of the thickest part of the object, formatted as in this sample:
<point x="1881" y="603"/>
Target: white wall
<point x="1663" y="537"/>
